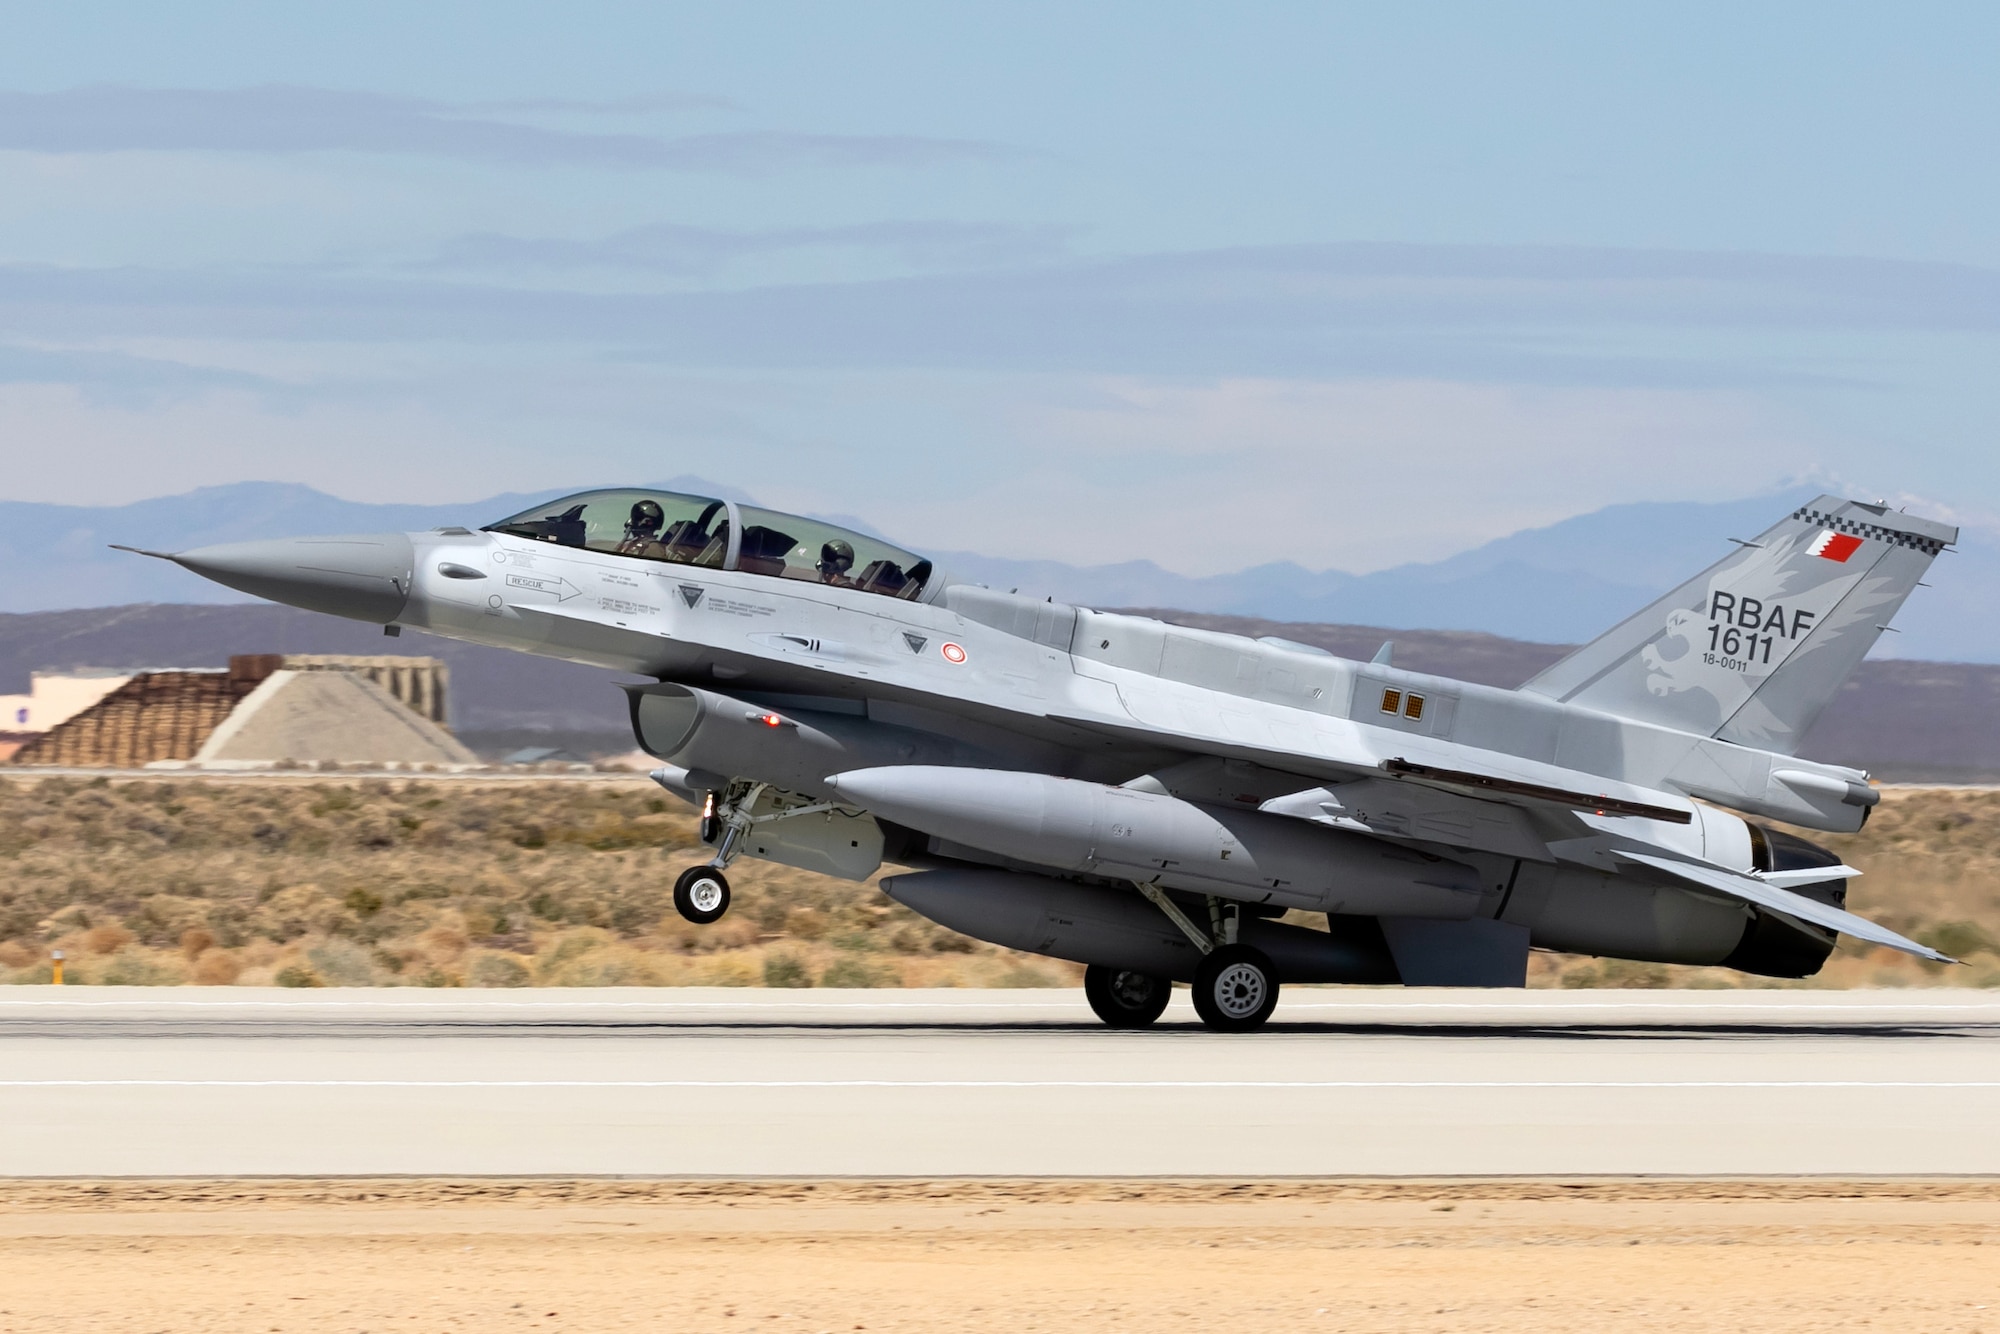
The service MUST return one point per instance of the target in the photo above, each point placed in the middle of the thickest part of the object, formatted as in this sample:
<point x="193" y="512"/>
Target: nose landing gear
<point x="701" y="894"/>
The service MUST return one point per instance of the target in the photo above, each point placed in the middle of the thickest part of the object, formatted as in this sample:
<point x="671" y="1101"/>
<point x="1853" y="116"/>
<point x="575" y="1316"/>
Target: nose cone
<point x="364" y="578"/>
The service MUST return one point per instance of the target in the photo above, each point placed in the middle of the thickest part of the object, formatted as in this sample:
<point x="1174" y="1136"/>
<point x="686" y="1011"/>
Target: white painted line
<point x="405" y="1007"/>
<point x="1475" y="1007"/>
<point x="1658" y="1007"/>
<point x="1012" y="1083"/>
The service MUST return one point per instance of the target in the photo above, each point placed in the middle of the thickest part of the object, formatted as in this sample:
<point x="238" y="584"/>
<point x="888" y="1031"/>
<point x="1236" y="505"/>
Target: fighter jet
<point x="1149" y="800"/>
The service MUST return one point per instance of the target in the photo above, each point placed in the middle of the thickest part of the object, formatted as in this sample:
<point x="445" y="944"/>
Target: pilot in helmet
<point x="836" y="558"/>
<point x="647" y="516"/>
<point x="642" y="531"/>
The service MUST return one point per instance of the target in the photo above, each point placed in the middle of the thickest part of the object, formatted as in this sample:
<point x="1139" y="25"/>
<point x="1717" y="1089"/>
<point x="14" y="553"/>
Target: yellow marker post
<point x="55" y="967"/>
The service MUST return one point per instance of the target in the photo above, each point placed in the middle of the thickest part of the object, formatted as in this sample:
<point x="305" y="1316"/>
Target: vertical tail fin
<point x="1752" y="649"/>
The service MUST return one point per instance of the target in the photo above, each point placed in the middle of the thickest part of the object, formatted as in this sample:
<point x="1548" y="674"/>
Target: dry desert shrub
<point x="339" y="881"/>
<point x="107" y="938"/>
<point x="343" y="881"/>
<point x="215" y="968"/>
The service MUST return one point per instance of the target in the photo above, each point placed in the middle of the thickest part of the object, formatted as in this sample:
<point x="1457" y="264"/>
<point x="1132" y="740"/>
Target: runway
<point x="232" y="1081"/>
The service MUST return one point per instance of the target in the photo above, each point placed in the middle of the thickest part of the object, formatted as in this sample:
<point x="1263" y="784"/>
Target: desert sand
<point x="1502" y="1255"/>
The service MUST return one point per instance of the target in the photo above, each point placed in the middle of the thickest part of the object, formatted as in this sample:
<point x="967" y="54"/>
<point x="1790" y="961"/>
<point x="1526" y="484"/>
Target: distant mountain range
<point x="1560" y="584"/>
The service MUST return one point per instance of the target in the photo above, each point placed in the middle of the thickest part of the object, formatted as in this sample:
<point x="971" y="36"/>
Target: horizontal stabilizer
<point x="1806" y="875"/>
<point x="1752" y="889"/>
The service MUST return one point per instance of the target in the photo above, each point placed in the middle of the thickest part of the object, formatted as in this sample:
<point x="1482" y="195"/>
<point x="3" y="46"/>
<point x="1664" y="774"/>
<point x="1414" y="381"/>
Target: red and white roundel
<point x="953" y="654"/>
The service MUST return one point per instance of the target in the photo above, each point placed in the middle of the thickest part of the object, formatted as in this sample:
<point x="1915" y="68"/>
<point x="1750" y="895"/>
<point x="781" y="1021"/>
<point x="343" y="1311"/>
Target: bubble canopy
<point x="676" y="529"/>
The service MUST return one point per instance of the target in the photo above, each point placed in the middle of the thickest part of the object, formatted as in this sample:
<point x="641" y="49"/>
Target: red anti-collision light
<point x="771" y="720"/>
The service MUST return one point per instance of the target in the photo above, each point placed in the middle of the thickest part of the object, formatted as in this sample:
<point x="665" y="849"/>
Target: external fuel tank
<point x="1088" y="828"/>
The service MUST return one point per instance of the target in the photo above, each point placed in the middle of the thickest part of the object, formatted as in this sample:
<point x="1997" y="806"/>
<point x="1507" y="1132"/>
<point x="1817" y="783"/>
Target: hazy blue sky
<point x="1213" y="285"/>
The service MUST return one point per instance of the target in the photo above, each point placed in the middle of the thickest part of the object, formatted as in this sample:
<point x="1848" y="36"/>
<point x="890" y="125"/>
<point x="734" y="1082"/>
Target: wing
<point x="1750" y="889"/>
<point x="1395" y="786"/>
<point x="1335" y="748"/>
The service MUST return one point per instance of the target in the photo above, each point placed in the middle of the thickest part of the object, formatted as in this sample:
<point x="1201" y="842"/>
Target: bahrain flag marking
<point x="1835" y="546"/>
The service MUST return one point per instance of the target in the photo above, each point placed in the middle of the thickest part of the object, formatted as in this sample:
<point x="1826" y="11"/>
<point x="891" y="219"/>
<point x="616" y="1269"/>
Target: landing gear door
<point x="833" y="842"/>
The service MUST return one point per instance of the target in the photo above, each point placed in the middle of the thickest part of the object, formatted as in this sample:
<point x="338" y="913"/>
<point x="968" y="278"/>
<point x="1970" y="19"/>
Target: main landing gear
<point x="1235" y="988"/>
<point x="1235" y="985"/>
<point x="1125" y="999"/>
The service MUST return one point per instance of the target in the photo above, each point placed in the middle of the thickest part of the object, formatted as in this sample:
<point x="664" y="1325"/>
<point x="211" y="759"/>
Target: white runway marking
<point x="1007" y="1083"/>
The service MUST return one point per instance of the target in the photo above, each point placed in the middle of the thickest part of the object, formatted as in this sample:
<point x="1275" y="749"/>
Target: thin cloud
<point x="675" y="249"/>
<point x="119" y="377"/>
<point x="1535" y="316"/>
<point x="287" y="119"/>
<point x="613" y="106"/>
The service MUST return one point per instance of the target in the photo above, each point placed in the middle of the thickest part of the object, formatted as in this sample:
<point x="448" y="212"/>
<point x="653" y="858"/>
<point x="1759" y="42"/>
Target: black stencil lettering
<point x="1749" y="613"/>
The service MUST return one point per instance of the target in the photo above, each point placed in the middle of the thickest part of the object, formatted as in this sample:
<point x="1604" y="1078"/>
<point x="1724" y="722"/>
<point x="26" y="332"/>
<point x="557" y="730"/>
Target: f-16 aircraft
<point x="1146" y="799"/>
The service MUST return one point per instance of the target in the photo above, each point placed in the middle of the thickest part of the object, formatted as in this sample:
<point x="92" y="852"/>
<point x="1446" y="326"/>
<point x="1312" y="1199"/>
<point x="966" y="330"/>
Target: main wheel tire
<point x="701" y="894"/>
<point x="1235" y="989"/>
<point x="1125" y="999"/>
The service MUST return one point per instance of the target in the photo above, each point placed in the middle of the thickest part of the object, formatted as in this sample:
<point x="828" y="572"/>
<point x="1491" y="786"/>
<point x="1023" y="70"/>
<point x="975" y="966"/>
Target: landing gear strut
<point x="701" y="894"/>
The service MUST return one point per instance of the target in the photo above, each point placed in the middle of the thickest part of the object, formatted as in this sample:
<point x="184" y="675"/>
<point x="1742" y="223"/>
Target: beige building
<point x="56" y="696"/>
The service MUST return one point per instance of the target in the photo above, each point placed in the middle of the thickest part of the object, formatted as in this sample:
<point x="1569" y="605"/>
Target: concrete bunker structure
<point x="263" y="711"/>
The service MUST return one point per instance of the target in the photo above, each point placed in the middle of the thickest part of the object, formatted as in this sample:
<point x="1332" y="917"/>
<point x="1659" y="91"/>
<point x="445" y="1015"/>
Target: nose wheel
<point x="1235" y="988"/>
<point x="701" y="894"/>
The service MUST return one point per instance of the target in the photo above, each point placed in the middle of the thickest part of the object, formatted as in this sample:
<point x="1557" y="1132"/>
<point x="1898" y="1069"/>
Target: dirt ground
<point x="394" y="1255"/>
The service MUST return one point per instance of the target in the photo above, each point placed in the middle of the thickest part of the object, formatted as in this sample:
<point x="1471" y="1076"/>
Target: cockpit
<point x="722" y="535"/>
